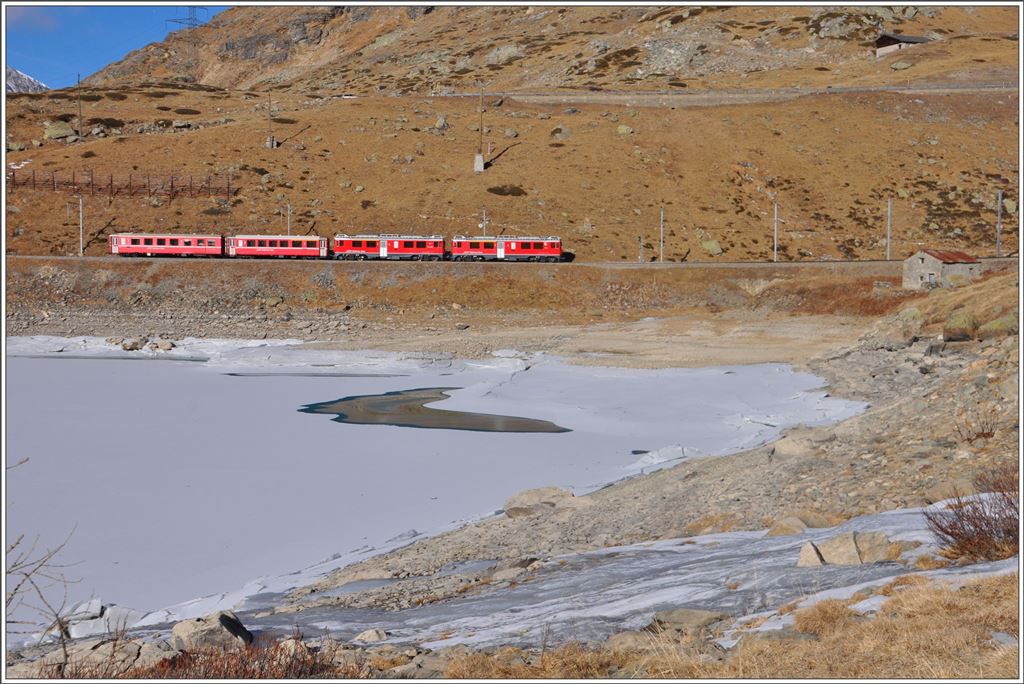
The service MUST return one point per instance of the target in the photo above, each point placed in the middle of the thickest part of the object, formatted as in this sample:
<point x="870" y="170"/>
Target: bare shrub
<point x="982" y="527"/>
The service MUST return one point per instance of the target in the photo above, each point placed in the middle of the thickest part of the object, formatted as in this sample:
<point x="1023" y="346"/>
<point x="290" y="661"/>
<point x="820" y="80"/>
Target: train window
<point x="474" y="245"/>
<point x="173" y="242"/>
<point x="371" y="243"/>
<point x="186" y="243"/>
<point x="421" y="243"/>
<point x="160" y="242"/>
<point x="407" y="243"/>
<point x="538" y="245"/>
<point x="135" y="241"/>
<point x="488" y="245"/>
<point x="357" y="243"/>
<point x="297" y="243"/>
<point x="261" y="243"/>
<point x="251" y="243"/>
<point x="148" y="241"/>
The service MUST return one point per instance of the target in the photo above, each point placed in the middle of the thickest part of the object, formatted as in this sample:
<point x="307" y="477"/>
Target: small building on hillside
<point x="891" y="42"/>
<point x="937" y="268"/>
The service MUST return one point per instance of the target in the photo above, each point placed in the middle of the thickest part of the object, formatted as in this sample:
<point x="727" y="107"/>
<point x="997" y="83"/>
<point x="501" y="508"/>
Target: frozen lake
<point x="182" y="478"/>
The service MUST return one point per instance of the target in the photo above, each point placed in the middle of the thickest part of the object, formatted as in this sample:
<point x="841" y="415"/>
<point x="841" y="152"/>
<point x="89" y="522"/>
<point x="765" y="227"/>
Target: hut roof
<point x="948" y="256"/>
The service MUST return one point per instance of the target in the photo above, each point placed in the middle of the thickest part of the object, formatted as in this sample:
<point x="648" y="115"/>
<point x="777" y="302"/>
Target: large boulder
<point x="1000" y="327"/>
<point x="850" y="548"/>
<point x="786" y="526"/>
<point x="371" y="636"/>
<point x="542" y="500"/>
<point x="218" y="631"/>
<point x="960" y="326"/>
<point x="55" y="130"/>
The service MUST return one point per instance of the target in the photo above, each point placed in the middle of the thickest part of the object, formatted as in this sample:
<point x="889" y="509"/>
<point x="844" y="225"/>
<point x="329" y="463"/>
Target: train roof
<point x="506" y="238"/>
<point x="378" y="236"/>
<point x="278" y="237"/>
<point x="174" y="235"/>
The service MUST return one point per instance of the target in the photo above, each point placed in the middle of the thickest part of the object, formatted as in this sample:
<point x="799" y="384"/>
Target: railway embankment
<point x="352" y="301"/>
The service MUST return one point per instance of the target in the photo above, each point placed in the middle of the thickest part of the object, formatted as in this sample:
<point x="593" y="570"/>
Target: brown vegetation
<point x="981" y="527"/>
<point x="924" y="630"/>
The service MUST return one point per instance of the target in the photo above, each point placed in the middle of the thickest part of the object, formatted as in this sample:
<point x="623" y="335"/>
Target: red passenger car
<point x="308" y="246"/>
<point x="415" y="247"/>
<point x="504" y="248"/>
<point x="139" y="244"/>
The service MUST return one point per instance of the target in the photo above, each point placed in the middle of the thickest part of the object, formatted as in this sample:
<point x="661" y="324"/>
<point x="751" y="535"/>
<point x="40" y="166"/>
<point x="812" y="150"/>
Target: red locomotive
<point x="503" y="248"/>
<point x="414" y="247"/>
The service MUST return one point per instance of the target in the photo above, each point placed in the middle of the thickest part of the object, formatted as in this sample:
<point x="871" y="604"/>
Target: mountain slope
<point x="396" y="50"/>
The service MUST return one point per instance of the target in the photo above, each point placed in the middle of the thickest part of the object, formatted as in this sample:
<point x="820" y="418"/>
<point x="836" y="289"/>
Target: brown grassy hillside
<point x="595" y="171"/>
<point x="425" y="50"/>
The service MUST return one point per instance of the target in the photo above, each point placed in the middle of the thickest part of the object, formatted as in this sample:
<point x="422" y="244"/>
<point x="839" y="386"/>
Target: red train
<point x="349" y="247"/>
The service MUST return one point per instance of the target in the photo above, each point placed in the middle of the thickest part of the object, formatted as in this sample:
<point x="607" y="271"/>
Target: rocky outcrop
<point x="218" y="631"/>
<point x="850" y="548"/>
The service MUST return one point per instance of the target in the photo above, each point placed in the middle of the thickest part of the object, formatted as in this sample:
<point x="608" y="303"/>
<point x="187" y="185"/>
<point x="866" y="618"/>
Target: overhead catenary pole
<point x="478" y="160"/>
<point x="79" y="92"/>
<point x="661" y="254"/>
<point x="775" y="222"/>
<point x="999" y="223"/>
<point x="888" y="233"/>
<point x="640" y="255"/>
<point x="289" y="218"/>
<point x="81" y="228"/>
<point x="271" y="143"/>
<point x="483" y="224"/>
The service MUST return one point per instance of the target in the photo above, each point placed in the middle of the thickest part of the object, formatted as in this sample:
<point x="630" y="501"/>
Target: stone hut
<point x="891" y="42"/>
<point x="937" y="267"/>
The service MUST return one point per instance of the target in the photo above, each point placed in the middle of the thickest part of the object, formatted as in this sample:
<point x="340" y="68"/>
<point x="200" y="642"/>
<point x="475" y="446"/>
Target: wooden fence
<point x="135" y="184"/>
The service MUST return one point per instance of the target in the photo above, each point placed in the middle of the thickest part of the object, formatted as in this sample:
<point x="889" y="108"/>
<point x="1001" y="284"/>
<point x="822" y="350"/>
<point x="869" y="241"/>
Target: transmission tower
<point x="190" y="22"/>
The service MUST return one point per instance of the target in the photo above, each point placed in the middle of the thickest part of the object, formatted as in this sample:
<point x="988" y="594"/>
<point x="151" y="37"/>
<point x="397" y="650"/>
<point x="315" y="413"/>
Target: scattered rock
<point x="1000" y="327"/>
<point x="56" y="130"/>
<point x="371" y="636"/>
<point x="442" y="123"/>
<point x="221" y="630"/>
<point x="623" y="129"/>
<point x="960" y="326"/>
<point x="560" y="133"/>
<point x="133" y="343"/>
<point x="809" y="556"/>
<point x="712" y="247"/>
<point x="787" y="526"/>
<point x="850" y="548"/>
<point x="511" y="133"/>
<point x="684" y="620"/>
<point x="900" y="66"/>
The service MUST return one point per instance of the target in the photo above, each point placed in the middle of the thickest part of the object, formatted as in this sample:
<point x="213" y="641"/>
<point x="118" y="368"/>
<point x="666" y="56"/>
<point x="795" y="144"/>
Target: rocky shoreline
<point x="943" y="409"/>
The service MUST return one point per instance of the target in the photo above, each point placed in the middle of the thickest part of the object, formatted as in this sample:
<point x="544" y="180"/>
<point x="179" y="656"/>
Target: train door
<point x="113" y="244"/>
<point x="384" y="248"/>
<point x="231" y="246"/>
<point x="501" y="249"/>
<point x="323" y="247"/>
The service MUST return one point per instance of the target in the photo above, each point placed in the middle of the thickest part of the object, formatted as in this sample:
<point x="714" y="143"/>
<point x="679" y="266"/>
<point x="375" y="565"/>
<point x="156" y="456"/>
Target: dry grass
<point x="925" y="630"/>
<point x="930" y="562"/>
<point x="259" y="661"/>
<point x="981" y="528"/>
<point x="823" y="618"/>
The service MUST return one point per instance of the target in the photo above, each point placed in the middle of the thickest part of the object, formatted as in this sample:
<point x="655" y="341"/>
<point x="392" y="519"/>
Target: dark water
<point x="407" y="408"/>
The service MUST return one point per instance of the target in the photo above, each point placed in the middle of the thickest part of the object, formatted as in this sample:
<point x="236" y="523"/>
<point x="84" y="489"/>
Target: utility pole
<point x="775" y="251"/>
<point x="81" y="228"/>
<point x="484" y="223"/>
<point x="999" y="223"/>
<point x="478" y="161"/>
<point x="78" y="90"/>
<point x="888" y="233"/>
<point x="271" y="143"/>
<point x="289" y="218"/>
<point x="640" y="256"/>
<point x="661" y="254"/>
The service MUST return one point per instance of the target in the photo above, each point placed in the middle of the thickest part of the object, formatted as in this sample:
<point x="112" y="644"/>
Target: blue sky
<point x="54" y="43"/>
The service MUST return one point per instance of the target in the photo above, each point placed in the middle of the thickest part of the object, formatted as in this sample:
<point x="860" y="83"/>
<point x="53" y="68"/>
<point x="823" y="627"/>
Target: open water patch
<point x="408" y="408"/>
